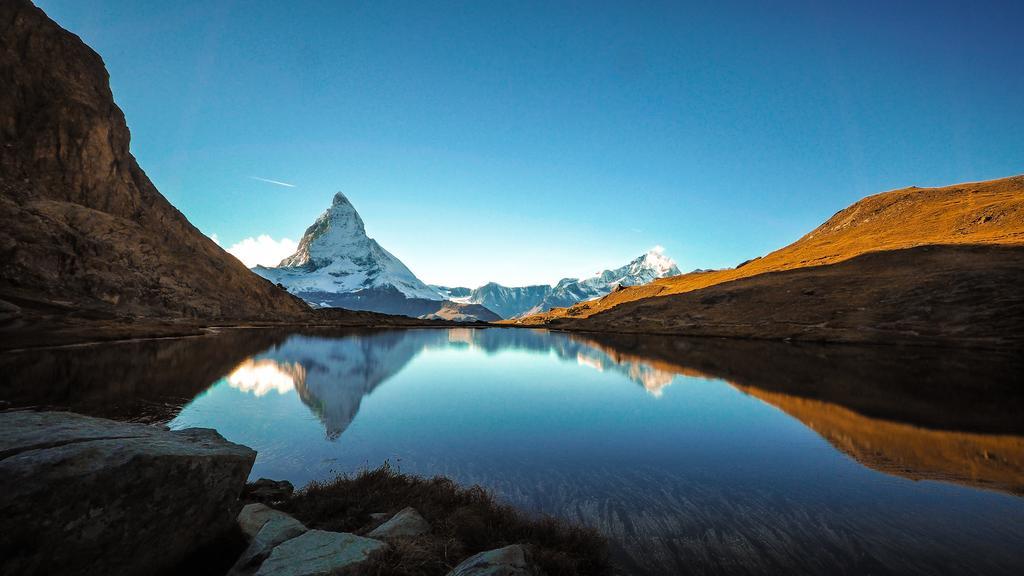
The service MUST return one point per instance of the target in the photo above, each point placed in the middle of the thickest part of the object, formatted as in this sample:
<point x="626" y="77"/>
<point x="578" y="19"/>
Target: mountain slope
<point x="84" y="232"/>
<point x="973" y="213"/>
<point x="514" y="302"/>
<point x="337" y="265"/>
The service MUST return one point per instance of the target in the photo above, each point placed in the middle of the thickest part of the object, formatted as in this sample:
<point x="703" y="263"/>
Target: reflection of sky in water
<point x="675" y="469"/>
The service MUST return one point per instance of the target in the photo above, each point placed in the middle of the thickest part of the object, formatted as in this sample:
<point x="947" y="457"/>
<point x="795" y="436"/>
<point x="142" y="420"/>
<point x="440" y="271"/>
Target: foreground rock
<point x="82" y="495"/>
<point x="317" y="553"/>
<point x="267" y="490"/>
<point x="277" y="530"/>
<point x="405" y="524"/>
<point x="508" y="561"/>
<point x="253" y="516"/>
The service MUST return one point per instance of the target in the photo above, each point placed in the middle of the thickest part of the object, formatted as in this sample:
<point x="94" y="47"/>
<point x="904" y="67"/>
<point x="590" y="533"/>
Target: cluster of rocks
<point x="280" y="545"/>
<point x="82" y="495"/>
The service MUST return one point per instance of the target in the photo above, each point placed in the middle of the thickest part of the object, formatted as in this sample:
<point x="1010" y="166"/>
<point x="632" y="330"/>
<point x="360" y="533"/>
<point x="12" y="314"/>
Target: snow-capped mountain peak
<point x="338" y="231"/>
<point x="656" y="260"/>
<point x="336" y="256"/>
<point x="653" y="264"/>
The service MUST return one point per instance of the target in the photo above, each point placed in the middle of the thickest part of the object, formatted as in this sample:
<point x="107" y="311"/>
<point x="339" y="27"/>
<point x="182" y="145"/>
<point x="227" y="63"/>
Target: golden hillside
<point x="990" y="212"/>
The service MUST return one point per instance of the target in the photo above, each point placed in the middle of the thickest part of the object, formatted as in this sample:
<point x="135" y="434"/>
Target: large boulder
<point x="82" y="495"/>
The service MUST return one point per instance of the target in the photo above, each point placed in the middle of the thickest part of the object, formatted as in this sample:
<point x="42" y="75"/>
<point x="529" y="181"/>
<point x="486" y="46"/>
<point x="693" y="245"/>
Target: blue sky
<point x="522" y="143"/>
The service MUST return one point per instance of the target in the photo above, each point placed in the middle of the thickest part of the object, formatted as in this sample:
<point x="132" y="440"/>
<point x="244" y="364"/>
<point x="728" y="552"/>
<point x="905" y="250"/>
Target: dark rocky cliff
<point x="83" y="231"/>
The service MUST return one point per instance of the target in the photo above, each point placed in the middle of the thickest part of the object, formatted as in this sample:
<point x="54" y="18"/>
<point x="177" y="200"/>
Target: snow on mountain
<point x="514" y="302"/>
<point x="335" y="256"/>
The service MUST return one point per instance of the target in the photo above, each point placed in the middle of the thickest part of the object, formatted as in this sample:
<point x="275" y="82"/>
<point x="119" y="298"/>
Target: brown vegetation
<point x="942" y="295"/>
<point x="464" y="521"/>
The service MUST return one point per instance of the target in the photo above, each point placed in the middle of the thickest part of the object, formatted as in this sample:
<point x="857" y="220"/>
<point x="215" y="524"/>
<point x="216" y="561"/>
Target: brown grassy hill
<point x="930" y="295"/>
<point x="989" y="212"/>
<point x="83" y="231"/>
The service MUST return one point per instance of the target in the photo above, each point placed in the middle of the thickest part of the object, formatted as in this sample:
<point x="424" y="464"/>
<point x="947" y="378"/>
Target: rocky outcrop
<point x="82" y="495"/>
<point x="508" y="561"/>
<point x="83" y="231"/>
<point x="406" y="524"/>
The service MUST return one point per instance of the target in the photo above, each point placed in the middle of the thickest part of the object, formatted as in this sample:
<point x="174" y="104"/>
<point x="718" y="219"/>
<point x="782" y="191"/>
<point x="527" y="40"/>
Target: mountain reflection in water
<point x="692" y="455"/>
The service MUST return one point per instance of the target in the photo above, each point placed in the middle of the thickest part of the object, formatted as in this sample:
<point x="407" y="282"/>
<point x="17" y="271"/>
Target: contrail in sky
<point x="278" y="182"/>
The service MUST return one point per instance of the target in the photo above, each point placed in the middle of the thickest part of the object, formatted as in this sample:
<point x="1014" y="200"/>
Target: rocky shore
<point x="84" y="495"/>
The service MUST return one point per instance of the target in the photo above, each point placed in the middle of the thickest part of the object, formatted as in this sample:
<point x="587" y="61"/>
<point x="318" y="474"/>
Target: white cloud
<point x="215" y="239"/>
<point x="262" y="250"/>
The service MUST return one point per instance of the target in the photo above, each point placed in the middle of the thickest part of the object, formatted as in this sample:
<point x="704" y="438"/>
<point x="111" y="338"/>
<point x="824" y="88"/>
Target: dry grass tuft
<point x="465" y="521"/>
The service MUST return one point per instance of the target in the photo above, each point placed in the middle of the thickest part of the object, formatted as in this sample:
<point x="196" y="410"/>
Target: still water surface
<point x="699" y="458"/>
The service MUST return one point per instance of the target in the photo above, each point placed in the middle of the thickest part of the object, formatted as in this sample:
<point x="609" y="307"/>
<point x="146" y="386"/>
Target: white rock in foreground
<point x="405" y="524"/>
<point x="507" y="561"/>
<point x="318" y="553"/>
<point x="253" y="516"/>
<point x="276" y="530"/>
<point x="85" y="495"/>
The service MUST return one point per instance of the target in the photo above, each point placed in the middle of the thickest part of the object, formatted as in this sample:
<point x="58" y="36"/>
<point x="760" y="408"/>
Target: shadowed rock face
<point x="82" y="229"/>
<point x="84" y="495"/>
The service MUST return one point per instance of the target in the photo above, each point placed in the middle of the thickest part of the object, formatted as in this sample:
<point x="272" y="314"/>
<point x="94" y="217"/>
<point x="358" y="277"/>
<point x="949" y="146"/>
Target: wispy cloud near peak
<point x="269" y="181"/>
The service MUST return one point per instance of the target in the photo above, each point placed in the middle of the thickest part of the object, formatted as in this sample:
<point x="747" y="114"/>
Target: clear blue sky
<point x="522" y="143"/>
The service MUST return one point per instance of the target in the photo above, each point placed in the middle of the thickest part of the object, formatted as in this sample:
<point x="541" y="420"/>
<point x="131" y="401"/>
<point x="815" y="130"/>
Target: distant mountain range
<point x="337" y="265"/>
<point x="515" y="302"/>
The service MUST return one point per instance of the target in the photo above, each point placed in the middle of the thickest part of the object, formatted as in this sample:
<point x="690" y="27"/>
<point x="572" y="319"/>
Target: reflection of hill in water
<point x="918" y="413"/>
<point x="141" y="380"/>
<point x="981" y="460"/>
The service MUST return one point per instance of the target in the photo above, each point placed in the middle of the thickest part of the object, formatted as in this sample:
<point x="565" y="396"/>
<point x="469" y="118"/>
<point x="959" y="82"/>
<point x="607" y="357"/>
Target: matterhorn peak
<point x="336" y="256"/>
<point x="340" y="200"/>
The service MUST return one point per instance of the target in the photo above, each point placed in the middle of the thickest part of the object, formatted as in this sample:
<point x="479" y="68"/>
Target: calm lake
<point x="692" y="456"/>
